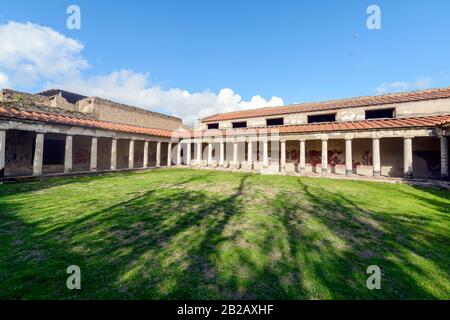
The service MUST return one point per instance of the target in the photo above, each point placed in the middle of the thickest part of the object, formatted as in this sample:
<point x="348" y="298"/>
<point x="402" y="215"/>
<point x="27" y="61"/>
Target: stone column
<point x="179" y="153"/>
<point x="68" y="154"/>
<point x="376" y="157"/>
<point x="222" y="154"/>
<point x="302" y="160"/>
<point x="444" y="158"/>
<point x="407" y="158"/>
<point x="131" y="155"/>
<point x="94" y="145"/>
<point x="114" y="154"/>
<point x="250" y="154"/>
<point x="199" y="154"/>
<point x="348" y="157"/>
<point x="169" y="154"/>
<point x="188" y="153"/>
<point x="324" y="156"/>
<point x="158" y="154"/>
<point x="145" y="162"/>
<point x="38" y="154"/>
<point x="2" y="152"/>
<point x="235" y="154"/>
<point x="265" y="154"/>
<point x="283" y="156"/>
<point x="209" y="154"/>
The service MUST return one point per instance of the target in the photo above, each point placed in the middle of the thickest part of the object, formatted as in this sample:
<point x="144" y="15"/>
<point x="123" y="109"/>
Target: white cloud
<point x="421" y="83"/>
<point x="36" y="55"/>
<point x="4" y="81"/>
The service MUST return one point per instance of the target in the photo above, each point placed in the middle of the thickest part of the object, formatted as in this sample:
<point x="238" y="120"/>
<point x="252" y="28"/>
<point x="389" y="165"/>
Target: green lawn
<point x="168" y="234"/>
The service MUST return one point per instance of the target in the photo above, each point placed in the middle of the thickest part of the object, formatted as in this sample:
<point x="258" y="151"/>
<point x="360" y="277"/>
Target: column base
<point x="93" y="169"/>
<point x="324" y="171"/>
<point x="377" y="173"/>
<point x="444" y="177"/>
<point x="348" y="172"/>
<point x="408" y="176"/>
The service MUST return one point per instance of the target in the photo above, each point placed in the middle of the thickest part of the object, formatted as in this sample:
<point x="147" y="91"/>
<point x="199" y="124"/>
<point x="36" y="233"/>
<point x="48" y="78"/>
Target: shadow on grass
<point x="168" y="242"/>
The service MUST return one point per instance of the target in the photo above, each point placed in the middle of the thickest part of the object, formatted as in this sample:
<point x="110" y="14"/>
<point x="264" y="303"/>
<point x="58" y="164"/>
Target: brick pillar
<point x="376" y="159"/>
<point x="158" y="154"/>
<point x="145" y="162"/>
<point x="131" y="155"/>
<point x="235" y="154"/>
<point x="179" y="153"/>
<point x="348" y="157"/>
<point x="38" y="154"/>
<point x="209" y="154"/>
<point x="324" y="156"/>
<point x="68" y="154"/>
<point x="114" y="154"/>
<point x="250" y="154"/>
<point x="94" y="143"/>
<point x="169" y="154"/>
<point x="2" y="152"/>
<point x="188" y="153"/>
<point x="444" y="158"/>
<point x="199" y="154"/>
<point x="407" y="158"/>
<point x="283" y="156"/>
<point x="222" y="154"/>
<point x="302" y="160"/>
<point x="265" y="153"/>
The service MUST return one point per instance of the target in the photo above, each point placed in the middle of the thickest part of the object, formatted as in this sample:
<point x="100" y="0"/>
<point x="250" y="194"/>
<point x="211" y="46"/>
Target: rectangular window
<point x="275" y="122"/>
<point x="241" y="124"/>
<point x="380" y="113"/>
<point x="213" y="125"/>
<point x="322" y="118"/>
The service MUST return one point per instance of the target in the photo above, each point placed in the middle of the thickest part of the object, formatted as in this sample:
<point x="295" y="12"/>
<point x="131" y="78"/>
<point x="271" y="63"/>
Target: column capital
<point x="349" y="136"/>
<point x="408" y="136"/>
<point x="302" y="139"/>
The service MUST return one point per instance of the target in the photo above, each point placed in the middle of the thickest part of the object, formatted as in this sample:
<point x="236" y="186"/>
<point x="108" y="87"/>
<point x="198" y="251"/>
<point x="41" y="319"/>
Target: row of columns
<point x="68" y="159"/>
<point x="407" y="150"/>
<point x="376" y="155"/>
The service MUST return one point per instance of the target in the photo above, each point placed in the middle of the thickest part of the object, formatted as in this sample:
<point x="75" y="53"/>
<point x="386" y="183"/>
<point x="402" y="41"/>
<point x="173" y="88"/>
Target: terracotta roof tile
<point x="335" y="104"/>
<point x="67" y="120"/>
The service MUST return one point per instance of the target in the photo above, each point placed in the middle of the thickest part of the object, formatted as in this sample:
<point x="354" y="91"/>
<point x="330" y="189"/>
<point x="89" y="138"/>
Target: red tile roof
<point x="395" y="123"/>
<point x="335" y="104"/>
<point x="14" y="113"/>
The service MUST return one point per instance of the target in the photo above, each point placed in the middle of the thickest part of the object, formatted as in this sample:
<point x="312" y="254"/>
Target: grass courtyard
<point x="174" y="233"/>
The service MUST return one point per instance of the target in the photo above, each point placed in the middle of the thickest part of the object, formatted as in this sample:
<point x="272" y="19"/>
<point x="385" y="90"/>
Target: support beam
<point x="188" y="154"/>
<point x="302" y="162"/>
<point x="324" y="156"/>
<point x="131" y="155"/>
<point x="407" y="158"/>
<point x="145" y="161"/>
<point x="158" y="154"/>
<point x="169" y="154"/>
<point x="94" y="144"/>
<point x="38" y="154"/>
<point x="265" y="153"/>
<point x="283" y="156"/>
<point x="250" y="154"/>
<point x="222" y="154"/>
<point x="444" y="158"/>
<point x="210" y="154"/>
<point x="114" y="154"/>
<point x="179" y="153"/>
<point x="348" y="157"/>
<point x="68" y="154"/>
<point x="2" y="152"/>
<point x="376" y="157"/>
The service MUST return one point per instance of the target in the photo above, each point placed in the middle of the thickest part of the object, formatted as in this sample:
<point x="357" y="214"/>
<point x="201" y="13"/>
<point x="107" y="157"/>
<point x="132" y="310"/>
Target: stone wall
<point x="119" y="113"/>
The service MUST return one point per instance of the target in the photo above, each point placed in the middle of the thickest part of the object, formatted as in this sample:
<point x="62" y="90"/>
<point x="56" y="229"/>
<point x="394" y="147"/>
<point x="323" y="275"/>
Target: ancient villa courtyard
<point x="207" y="234"/>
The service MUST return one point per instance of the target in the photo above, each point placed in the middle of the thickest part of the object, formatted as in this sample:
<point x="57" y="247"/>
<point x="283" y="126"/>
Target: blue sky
<point x="296" y="50"/>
